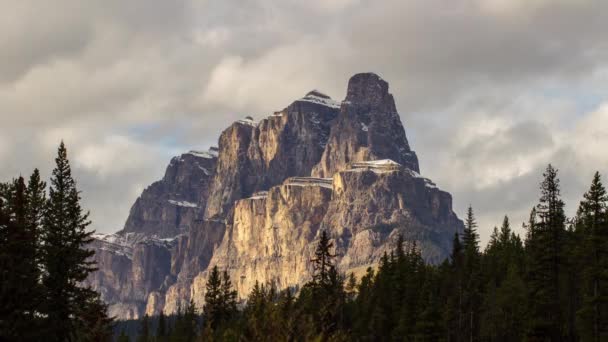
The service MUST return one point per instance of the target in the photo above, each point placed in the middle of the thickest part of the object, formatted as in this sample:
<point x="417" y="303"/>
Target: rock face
<point x="254" y="157"/>
<point x="368" y="128"/>
<point x="170" y="206"/>
<point x="256" y="209"/>
<point x="129" y="271"/>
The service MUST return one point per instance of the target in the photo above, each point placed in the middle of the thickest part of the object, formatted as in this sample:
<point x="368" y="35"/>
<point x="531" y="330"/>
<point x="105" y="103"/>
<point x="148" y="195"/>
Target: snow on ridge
<point x="310" y="181"/>
<point x="248" y="121"/>
<point x="318" y="97"/>
<point x="209" y="154"/>
<point x="183" y="204"/>
<point x="259" y="195"/>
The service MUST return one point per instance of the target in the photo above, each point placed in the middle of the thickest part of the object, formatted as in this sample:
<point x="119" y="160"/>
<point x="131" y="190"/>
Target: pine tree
<point x="592" y="222"/>
<point x="20" y="292"/>
<point x="545" y="262"/>
<point x="161" y="329"/>
<point x="66" y="261"/>
<point x="322" y="261"/>
<point x="455" y="288"/>
<point x="471" y="277"/>
<point x="190" y="323"/>
<point x="220" y="300"/>
<point x="144" y="329"/>
<point x="123" y="337"/>
<point x="213" y="299"/>
<point x="229" y="297"/>
<point x="323" y="298"/>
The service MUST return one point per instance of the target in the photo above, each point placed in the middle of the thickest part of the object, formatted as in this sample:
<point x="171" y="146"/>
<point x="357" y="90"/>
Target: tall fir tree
<point x="471" y="278"/>
<point x="546" y="262"/>
<point x="144" y="330"/>
<point x="161" y="328"/>
<point x="592" y="224"/>
<point x="20" y="289"/>
<point x="220" y="301"/>
<point x="65" y="257"/>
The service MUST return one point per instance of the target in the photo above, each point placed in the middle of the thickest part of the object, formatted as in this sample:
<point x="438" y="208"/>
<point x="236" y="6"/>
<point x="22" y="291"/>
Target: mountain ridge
<point x="319" y="164"/>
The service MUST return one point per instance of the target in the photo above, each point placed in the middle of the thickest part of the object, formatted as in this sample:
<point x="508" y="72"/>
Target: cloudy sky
<point x="490" y="91"/>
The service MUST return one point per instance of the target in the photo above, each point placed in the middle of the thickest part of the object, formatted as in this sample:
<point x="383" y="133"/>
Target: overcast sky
<point x="490" y="91"/>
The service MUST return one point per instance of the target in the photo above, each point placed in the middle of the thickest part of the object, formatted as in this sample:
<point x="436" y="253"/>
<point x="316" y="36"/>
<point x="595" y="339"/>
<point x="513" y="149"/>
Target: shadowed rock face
<point x="255" y="210"/>
<point x="368" y="128"/>
<point x="256" y="156"/>
<point x="170" y="206"/>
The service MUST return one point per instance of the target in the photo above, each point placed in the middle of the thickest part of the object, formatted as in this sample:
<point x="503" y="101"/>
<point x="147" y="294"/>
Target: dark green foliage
<point x="20" y="292"/>
<point x="552" y="288"/>
<point x="144" y="330"/>
<point x="43" y="261"/>
<point x="123" y="337"/>
<point x="592" y="232"/>
<point x="220" y="302"/>
<point x="161" y="328"/>
<point x="547" y="264"/>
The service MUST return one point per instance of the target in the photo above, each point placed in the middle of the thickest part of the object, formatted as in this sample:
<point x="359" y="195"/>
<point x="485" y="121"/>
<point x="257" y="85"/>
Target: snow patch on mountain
<point x="183" y="204"/>
<point x="318" y="97"/>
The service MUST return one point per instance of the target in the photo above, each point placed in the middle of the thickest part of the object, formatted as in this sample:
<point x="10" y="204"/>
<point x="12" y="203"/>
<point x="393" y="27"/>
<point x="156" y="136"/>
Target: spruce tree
<point x="592" y="222"/>
<point x="123" y="337"/>
<point x="213" y="299"/>
<point x="65" y="258"/>
<point x="471" y="278"/>
<point x="20" y="292"/>
<point x="161" y="329"/>
<point x="546" y="262"/>
<point x="144" y="329"/>
<point x="190" y="323"/>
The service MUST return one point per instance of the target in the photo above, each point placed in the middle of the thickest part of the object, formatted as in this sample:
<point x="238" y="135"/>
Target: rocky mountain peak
<point x="254" y="206"/>
<point x="368" y="128"/>
<point x="169" y="207"/>
<point x="370" y="91"/>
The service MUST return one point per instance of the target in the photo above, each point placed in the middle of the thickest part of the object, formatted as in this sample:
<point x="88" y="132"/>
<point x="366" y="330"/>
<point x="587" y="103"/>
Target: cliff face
<point x="255" y="156"/>
<point x="364" y="208"/>
<point x="270" y="237"/>
<point x="368" y="128"/>
<point x="256" y="209"/>
<point x="170" y="206"/>
<point x="129" y="270"/>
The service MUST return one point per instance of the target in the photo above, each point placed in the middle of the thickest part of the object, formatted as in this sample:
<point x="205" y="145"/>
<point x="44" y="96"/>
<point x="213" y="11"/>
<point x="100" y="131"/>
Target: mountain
<point x="255" y="206"/>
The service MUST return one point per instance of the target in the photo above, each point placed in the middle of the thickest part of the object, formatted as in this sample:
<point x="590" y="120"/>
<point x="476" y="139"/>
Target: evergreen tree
<point x="161" y="329"/>
<point x="220" y="300"/>
<point x="66" y="261"/>
<point x="20" y="293"/>
<point x="471" y="278"/>
<point x="144" y="330"/>
<point x="455" y="287"/>
<point x="190" y="323"/>
<point x="323" y="298"/>
<point x="322" y="261"/>
<point x="592" y="222"/>
<point x="229" y="296"/>
<point x="123" y="337"/>
<point x="213" y="299"/>
<point x="546" y="263"/>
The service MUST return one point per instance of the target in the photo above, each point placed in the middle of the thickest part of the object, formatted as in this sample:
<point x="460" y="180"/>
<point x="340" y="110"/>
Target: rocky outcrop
<point x="256" y="209"/>
<point x="129" y="270"/>
<point x="375" y="202"/>
<point x="364" y="208"/>
<point x="270" y="237"/>
<point x="170" y="206"/>
<point x="255" y="156"/>
<point x="368" y="128"/>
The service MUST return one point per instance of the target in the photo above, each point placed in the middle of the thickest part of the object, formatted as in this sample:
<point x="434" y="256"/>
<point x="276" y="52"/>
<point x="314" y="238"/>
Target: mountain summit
<point x="255" y="207"/>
